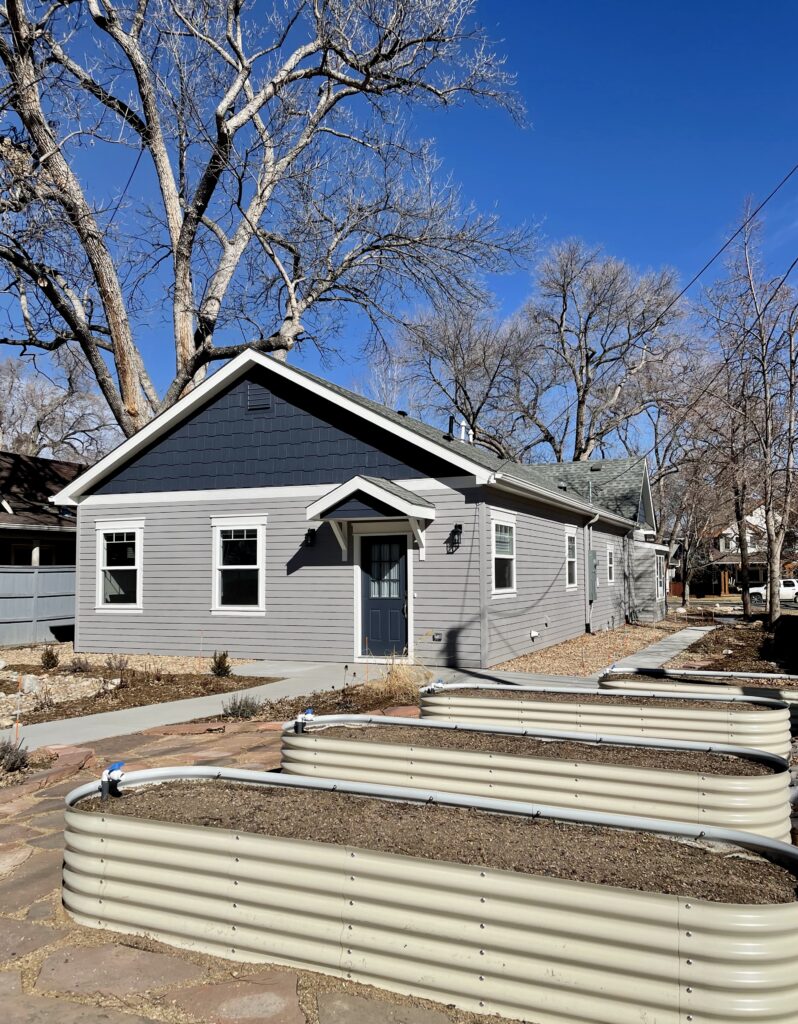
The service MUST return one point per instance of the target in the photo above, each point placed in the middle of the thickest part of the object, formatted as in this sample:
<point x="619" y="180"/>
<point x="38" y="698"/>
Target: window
<point x="239" y="572"/>
<point x="570" y="558"/>
<point x="119" y="565"/>
<point x="503" y="557"/>
<point x="660" y="575"/>
<point x="610" y="565"/>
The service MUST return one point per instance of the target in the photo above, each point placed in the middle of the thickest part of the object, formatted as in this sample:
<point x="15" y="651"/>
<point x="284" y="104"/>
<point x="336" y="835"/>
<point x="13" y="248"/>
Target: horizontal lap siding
<point x="609" y="607"/>
<point x="541" y="603"/>
<point x="309" y="591"/>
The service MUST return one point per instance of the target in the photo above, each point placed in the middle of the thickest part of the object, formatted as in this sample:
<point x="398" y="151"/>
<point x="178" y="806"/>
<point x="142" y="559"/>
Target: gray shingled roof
<point x="616" y="484"/>
<point x="397" y="491"/>
<point x="26" y="484"/>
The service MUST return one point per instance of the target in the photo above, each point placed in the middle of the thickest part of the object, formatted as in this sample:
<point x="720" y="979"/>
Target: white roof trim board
<point x="417" y="508"/>
<point x="211" y="386"/>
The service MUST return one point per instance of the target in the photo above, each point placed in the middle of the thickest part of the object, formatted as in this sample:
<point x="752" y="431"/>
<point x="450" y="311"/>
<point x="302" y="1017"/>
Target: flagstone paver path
<point x="54" y="971"/>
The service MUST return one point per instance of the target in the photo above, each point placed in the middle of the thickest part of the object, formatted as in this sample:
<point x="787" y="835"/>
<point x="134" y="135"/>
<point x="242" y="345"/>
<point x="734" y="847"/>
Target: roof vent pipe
<point x="401" y="412"/>
<point x="449" y="435"/>
<point x="463" y="429"/>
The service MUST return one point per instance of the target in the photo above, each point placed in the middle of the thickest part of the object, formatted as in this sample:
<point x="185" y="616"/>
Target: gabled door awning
<point x="369" y="499"/>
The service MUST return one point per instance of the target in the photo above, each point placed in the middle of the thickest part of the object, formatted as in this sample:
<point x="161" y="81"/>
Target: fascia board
<point x="158" y="426"/>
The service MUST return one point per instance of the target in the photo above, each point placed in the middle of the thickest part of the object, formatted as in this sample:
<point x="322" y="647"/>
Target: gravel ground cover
<point x="526" y="746"/>
<point x="590" y="653"/>
<point x="744" y="647"/>
<point x="601" y="697"/>
<point x="166" y="663"/>
<point x="634" y="860"/>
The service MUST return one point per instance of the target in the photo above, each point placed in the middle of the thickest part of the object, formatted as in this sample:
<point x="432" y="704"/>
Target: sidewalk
<point x="298" y="678"/>
<point x="661" y="652"/>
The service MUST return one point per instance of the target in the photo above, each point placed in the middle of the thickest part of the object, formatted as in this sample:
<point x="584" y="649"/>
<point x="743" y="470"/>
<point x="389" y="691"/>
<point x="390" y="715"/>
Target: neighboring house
<point x="275" y="515"/>
<point x="721" y="576"/>
<point x="37" y="549"/>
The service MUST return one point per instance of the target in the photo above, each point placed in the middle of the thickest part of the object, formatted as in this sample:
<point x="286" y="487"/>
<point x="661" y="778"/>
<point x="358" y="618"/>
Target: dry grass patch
<point x="166" y="663"/>
<point x="592" y="652"/>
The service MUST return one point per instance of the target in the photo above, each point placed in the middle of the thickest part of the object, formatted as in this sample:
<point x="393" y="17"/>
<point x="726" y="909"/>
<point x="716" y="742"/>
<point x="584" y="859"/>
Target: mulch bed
<point x="634" y="860"/>
<point x="526" y="746"/>
<point x="140" y="688"/>
<point x="752" y="649"/>
<point x="593" y="697"/>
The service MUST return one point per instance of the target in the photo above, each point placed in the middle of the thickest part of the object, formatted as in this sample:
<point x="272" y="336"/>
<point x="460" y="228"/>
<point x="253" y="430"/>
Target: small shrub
<point x="80" y="665"/>
<point x="44" y="700"/>
<point x="220" y="665"/>
<point x="13" y="758"/>
<point x="240" y="707"/>
<point x="50" y="658"/>
<point x="116" y="664"/>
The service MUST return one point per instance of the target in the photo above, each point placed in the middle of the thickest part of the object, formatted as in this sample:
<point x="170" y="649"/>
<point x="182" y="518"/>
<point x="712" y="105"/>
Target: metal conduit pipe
<point x="699" y="673"/>
<point x="730" y="698"/>
<point x="773" y="849"/>
<point x="778" y="764"/>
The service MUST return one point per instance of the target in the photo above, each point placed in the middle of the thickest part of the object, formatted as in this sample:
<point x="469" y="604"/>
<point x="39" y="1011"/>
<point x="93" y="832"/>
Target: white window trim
<point x="499" y="517"/>
<point x="660" y="582"/>
<point x="101" y="527"/>
<point x="570" y="531"/>
<point x="219" y="523"/>
<point x="610" y="565"/>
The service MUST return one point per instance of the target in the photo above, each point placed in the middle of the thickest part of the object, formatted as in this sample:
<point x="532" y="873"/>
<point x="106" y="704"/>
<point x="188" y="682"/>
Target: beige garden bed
<point x="531" y="945"/>
<point x="746" y="722"/>
<point x="721" y="789"/>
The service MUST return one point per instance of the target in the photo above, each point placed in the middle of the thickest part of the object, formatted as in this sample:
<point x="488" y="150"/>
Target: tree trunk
<point x="742" y="543"/>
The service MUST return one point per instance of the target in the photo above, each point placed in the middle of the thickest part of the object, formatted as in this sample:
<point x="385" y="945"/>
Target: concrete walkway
<point x="661" y="652"/>
<point x="296" y="679"/>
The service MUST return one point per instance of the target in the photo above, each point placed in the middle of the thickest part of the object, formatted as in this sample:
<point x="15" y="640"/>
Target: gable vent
<point x="258" y="398"/>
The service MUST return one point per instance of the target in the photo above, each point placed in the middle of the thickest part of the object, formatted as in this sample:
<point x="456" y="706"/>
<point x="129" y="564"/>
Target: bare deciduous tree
<point x="285" y="187"/>
<point x="59" y="419"/>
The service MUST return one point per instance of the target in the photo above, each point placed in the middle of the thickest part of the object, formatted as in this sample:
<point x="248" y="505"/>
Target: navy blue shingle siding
<point x="299" y="439"/>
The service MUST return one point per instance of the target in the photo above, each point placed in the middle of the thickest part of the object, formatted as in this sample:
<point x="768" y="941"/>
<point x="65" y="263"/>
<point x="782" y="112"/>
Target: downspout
<point x="588" y="543"/>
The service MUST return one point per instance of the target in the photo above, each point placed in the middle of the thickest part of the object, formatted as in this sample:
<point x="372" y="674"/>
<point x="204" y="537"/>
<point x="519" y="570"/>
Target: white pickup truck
<point x="788" y="591"/>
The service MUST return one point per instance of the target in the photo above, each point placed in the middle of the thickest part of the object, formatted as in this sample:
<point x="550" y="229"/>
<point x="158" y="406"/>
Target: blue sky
<point x="649" y="125"/>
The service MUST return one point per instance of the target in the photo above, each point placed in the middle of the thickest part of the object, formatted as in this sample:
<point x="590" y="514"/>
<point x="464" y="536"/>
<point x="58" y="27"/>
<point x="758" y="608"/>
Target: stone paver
<point x="112" y="970"/>
<point x="41" y="911"/>
<point x="49" y="819"/>
<point x="37" y="877"/>
<point x="341" y="1008"/>
<point x="11" y="857"/>
<point x="52" y="841"/>
<point x="268" y="997"/>
<point x="10" y="983"/>
<point x="15" y="833"/>
<point x="18" y="938"/>
<point x="26" y="1009"/>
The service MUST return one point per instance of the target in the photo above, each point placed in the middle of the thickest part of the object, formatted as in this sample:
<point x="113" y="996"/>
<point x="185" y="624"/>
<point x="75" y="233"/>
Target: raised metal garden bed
<point x="753" y="803"/>
<point x="556" y="951"/>
<point x="764" y="728"/>
<point x="707" y="688"/>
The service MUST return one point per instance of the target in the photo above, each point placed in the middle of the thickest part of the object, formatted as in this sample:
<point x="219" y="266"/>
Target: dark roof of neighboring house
<point x="26" y="484"/>
<point x="614" y="484"/>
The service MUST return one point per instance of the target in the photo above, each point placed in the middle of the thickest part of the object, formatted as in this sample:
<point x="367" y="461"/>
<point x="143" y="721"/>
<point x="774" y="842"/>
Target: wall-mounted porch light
<point x="455" y="538"/>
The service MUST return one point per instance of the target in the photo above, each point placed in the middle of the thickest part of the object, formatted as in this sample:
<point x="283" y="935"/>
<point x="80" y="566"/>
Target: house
<point x="37" y="549"/>
<point x="719" y="577"/>
<point x="276" y="515"/>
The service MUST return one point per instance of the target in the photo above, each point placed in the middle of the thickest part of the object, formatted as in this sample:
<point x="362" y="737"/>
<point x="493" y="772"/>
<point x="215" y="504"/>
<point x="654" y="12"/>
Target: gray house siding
<point x="542" y="602"/>
<point x="609" y="607"/>
<point x="310" y="591"/>
<point x="296" y="438"/>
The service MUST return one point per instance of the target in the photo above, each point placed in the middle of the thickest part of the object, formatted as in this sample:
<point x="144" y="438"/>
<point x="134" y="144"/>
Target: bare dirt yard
<point x="745" y="647"/>
<point x="592" y="652"/>
<point x="634" y="860"/>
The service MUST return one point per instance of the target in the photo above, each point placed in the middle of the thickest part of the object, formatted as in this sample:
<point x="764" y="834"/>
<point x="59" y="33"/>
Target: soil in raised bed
<point x="633" y="860"/>
<point x="601" y="697"/>
<point x="139" y="688"/>
<point x="563" y="750"/>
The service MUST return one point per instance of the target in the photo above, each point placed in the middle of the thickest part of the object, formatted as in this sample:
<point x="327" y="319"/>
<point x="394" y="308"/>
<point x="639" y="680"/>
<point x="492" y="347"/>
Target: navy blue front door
<point x="383" y="618"/>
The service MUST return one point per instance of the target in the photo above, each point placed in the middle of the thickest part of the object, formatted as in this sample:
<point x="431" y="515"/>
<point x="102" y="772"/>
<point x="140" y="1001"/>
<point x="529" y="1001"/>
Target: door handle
<point x="404" y="608"/>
